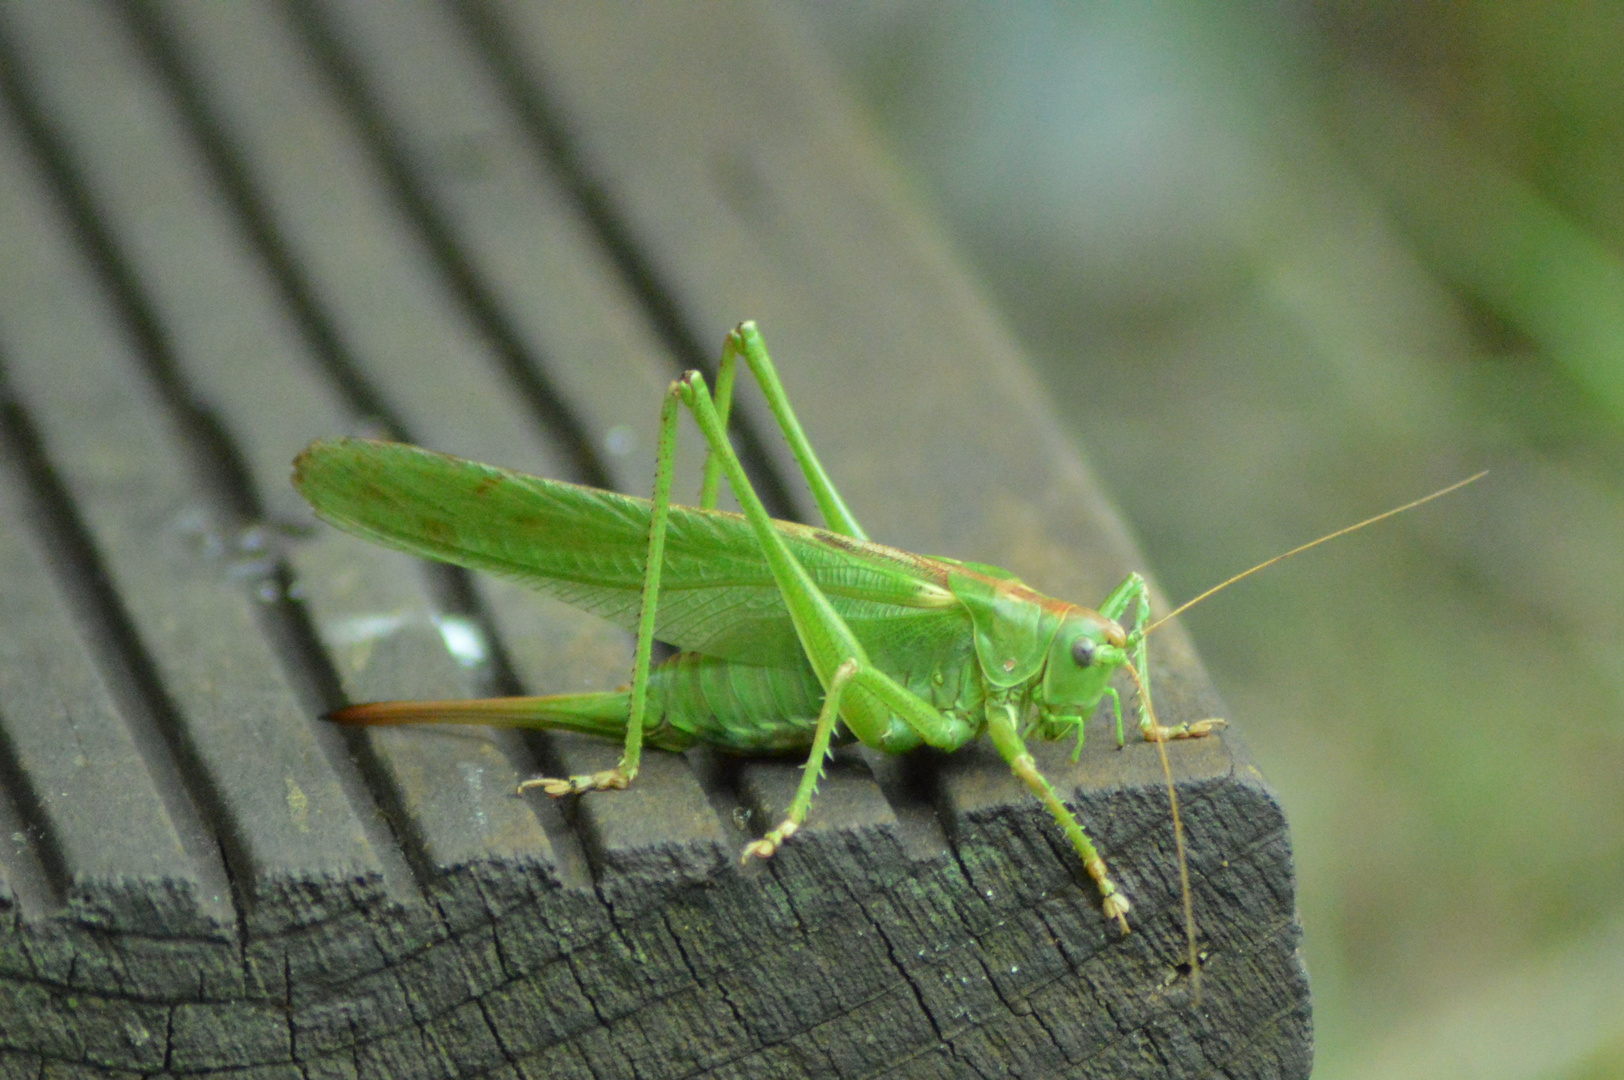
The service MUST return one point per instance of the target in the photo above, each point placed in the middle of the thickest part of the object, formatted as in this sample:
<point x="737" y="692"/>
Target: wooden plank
<point x="227" y="229"/>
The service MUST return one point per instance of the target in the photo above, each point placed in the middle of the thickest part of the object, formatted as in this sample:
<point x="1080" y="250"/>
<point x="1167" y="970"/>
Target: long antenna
<point x="1314" y="543"/>
<point x="1178" y="837"/>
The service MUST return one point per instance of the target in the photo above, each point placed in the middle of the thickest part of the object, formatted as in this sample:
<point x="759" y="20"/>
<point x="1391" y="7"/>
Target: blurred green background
<point x="1284" y="266"/>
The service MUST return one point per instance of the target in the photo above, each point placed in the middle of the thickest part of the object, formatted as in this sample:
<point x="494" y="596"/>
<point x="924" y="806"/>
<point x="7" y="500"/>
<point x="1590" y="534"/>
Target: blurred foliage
<point x="1287" y="265"/>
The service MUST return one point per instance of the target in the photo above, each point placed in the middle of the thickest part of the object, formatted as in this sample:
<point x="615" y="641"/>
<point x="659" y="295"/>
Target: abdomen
<point x="741" y="708"/>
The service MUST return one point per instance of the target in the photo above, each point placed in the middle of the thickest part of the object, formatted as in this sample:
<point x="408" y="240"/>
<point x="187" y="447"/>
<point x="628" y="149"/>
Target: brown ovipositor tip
<point x="396" y="712"/>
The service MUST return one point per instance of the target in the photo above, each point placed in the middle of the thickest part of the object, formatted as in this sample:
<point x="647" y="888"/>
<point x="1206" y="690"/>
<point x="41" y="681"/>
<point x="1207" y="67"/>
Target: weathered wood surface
<point x="498" y="230"/>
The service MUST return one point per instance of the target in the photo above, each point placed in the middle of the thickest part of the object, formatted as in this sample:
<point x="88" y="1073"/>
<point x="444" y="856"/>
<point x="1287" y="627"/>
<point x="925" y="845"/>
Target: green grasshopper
<point x="792" y="637"/>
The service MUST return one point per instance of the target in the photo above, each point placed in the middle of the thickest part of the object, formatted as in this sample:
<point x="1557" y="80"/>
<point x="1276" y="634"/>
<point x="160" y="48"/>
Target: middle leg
<point x="1006" y="736"/>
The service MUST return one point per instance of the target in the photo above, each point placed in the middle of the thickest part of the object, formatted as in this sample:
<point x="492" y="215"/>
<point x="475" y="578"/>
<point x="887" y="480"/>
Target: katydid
<point x="793" y="637"/>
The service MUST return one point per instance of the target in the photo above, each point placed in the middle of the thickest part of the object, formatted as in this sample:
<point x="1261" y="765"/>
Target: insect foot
<point x="1158" y="733"/>
<point x="768" y="844"/>
<point x="607" y="780"/>
<point x="1112" y="902"/>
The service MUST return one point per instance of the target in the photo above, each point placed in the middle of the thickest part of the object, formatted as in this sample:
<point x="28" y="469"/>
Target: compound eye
<point x="1082" y="651"/>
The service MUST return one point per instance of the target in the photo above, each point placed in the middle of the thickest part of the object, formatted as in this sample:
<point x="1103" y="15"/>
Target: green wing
<point x="587" y="547"/>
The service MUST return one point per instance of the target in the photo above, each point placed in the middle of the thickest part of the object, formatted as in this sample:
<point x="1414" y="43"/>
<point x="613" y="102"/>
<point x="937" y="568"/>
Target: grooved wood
<point x="499" y="229"/>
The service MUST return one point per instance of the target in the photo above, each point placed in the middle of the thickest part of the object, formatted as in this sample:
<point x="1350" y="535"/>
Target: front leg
<point x="1134" y="594"/>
